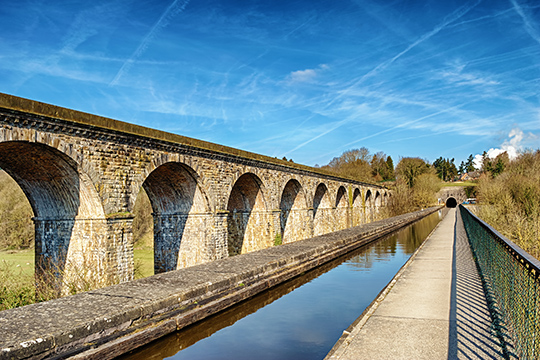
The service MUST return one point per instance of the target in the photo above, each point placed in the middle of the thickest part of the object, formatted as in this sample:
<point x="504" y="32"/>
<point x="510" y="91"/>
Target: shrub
<point x="510" y="202"/>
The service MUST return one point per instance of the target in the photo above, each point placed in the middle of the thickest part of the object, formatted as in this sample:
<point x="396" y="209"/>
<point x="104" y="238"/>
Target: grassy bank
<point x="17" y="275"/>
<point x="16" y="278"/>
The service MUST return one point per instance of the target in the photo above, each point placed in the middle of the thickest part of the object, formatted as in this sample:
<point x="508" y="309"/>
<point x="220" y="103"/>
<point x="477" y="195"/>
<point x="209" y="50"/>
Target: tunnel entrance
<point x="451" y="202"/>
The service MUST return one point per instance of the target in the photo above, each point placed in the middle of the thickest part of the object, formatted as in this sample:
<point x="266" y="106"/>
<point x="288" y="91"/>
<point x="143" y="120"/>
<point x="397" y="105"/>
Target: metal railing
<point x="512" y="282"/>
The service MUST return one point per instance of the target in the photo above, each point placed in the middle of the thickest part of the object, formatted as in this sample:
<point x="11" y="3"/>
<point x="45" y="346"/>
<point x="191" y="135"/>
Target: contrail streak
<point x="535" y="34"/>
<point x="455" y="15"/>
<point x="173" y="10"/>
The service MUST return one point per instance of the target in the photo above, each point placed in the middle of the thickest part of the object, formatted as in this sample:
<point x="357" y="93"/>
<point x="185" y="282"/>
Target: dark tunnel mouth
<point x="451" y="202"/>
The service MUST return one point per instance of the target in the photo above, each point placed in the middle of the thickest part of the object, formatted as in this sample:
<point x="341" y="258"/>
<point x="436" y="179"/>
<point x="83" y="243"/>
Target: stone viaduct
<point x="82" y="173"/>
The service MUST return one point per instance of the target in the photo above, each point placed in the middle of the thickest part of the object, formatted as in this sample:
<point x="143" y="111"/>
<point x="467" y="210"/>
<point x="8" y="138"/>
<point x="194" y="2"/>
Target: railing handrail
<point x="531" y="263"/>
<point x="511" y="280"/>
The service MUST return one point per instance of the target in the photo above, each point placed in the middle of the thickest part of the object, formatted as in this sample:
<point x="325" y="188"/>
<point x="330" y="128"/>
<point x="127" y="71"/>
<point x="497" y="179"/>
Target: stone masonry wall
<point x="219" y="204"/>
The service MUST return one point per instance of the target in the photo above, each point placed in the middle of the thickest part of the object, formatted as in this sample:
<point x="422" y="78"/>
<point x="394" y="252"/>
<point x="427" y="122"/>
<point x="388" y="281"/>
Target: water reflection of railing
<point x="512" y="281"/>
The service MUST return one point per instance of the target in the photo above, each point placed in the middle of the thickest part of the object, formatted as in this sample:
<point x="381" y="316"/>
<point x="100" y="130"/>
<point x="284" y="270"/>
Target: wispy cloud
<point x="529" y="24"/>
<point x="455" y="15"/>
<point x="458" y="76"/>
<point x="176" y="7"/>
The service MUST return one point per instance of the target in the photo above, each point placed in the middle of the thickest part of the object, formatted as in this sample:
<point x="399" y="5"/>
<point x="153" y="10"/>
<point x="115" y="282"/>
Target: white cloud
<point x="307" y="75"/>
<point x="512" y="146"/>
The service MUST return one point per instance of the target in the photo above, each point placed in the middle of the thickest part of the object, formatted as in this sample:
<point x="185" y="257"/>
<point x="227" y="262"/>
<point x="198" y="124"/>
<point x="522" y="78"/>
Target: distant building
<point x="473" y="175"/>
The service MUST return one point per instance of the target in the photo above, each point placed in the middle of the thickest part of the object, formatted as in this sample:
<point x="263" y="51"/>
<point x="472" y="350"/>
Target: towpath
<point x="435" y="308"/>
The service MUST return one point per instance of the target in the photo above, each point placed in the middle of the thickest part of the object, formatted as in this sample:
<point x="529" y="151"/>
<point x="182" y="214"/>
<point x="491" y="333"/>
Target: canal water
<point x="301" y="324"/>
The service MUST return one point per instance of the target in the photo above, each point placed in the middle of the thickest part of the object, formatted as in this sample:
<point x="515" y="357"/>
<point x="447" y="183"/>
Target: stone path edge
<point x="109" y="335"/>
<point x="357" y="325"/>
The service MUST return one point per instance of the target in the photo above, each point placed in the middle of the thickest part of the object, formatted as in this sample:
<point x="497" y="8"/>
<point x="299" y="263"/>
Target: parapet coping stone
<point x="15" y="103"/>
<point x="107" y="322"/>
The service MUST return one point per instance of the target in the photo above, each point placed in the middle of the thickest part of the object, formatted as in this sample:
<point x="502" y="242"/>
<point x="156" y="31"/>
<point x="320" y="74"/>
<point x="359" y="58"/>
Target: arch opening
<point x="179" y="207"/>
<point x="322" y="208"/>
<point x="247" y="226"/>
<point x="377" y="205"/>
<point x="293" y="214"/>
<point x="368" y="207"/>
<point x="69" y="221"/>
<point x="342" y="207"/>
<point x="451" y="202"/>
<point x="356" y="208"/>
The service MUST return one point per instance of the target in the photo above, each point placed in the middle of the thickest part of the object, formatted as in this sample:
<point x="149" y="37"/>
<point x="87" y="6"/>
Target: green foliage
<point x="382" y="167"/>
<point x="509" y="200"/>
<point x="16" y="224"/>
<point x="425" y="189"/>
<point x="467" y="166"/>
<point x="470" y="191"/>
<point x="495" y="167"/>
<point x="406" y="199"/>
<point x="390" y="167"/>
<point x="16" y="288"/>
<point x="143" y="222"/>
<point x="277" y="240"/>
<point x="445" y="168"/>
<point x="408" y="169"/>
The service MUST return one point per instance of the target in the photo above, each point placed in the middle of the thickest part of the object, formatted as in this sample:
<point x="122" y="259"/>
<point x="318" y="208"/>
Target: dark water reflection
<point x="300" y="324"/>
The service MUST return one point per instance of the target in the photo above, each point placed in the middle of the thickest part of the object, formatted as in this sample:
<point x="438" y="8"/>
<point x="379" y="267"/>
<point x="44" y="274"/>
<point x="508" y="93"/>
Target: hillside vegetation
<point x="509" y="199"/>
<point x="16" y="224"/>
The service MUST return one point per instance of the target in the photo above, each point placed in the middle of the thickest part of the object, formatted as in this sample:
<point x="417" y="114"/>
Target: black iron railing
<point x="512" y="282"/>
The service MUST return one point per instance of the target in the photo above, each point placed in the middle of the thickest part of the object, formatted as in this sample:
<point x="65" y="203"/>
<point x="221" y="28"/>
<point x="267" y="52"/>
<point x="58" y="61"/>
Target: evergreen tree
<point x="469" y="165"/>
<point x="390" y="168"/>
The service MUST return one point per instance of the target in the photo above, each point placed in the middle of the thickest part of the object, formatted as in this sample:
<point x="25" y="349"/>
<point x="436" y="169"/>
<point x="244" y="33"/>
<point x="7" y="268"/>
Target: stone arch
<point x="377" y="204"/>
<point x="368" y="206"/>
<point x="284" y="182"/>
<point x="43" y="138"/>
<point x="322" y="211"/>
<point x="451" y="202"/>
<point x="248" y="222"/>
<point x="182" y="217"/>
<point x="190" y="166"/>
<point x="70" y="224"/>
<point x="294" y="219"/>
<point x="356" y="207"/>
<point x="341" y="209"/>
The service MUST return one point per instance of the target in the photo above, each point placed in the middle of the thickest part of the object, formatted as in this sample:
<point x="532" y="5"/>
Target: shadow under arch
<point x="377" y="204"/>
<point x="68" y="214"/>
<point x="368" y="207"/>
<point x="293" y="216"/>
<point x="342" y="209"/>
<point x="356" y="207"/>
<point x="322" y="207"/>
<point x="247" y="227"/>
<point x="180" y="212"/>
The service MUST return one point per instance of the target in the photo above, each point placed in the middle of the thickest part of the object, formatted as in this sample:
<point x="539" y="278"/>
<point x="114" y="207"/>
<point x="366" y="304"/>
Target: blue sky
<point x="304" y="79"/>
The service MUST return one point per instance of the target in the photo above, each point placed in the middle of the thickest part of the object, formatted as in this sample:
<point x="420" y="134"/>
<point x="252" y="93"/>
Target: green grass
<point x="17" y="286"/>
<point x="457" y="183"/>
<point x="144" y="261"/>
<point x="22" y="261"/>
<point x="16" y="278"/>
<point x="19" y="261"/>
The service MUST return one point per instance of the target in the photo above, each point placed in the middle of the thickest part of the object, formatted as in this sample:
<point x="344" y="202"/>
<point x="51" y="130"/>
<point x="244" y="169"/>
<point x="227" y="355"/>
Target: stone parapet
<point x="105" y="323"/>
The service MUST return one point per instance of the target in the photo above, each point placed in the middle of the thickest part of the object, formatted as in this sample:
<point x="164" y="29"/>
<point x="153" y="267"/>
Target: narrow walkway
<point x="436" y="309"/>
